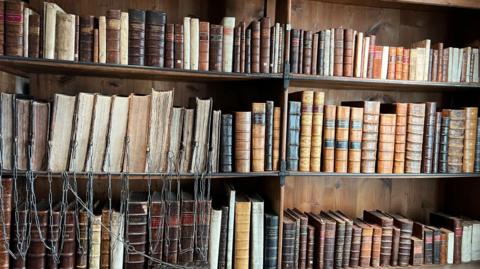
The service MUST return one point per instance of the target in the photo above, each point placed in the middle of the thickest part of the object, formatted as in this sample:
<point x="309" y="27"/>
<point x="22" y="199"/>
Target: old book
<point x="265" y="45"/>
<point x="255" y="46"/>
<point x="39" y="133"/>
<point x="201" y="134"/>
<point x="358" y="55"/>
<point x="137" y="133"/>
<point x="242" y="145"/>
<point x="187" y="138"/>
<point x="348" y="243"/>
<point x="453" y="224"/>
<point x="53" y="235"/>
<point x="215" y="226"/>
<point x="406" y="64"/>
<point x="102" y="39"/>
<point x="258" y="137"/>
<point x="466" y="247"/>
<point x="203" y="213"/>
<point x="317" y="129"/>
<point x="399" y="51"/>
<point x="416" y="258"/>
<point x="237" y="35"/>
<point x="307" y="52"/>
<point x="22" y="133"/>
<point x="355" y="140"/>
<point x="378" y="61"/>
<point x="248" y="50"/>
<point x="7" y="129"/>
<point x="456" y="135"/>
<point x="242" y="231"/>
<point x="228" y="24"/>
<point x="187" y="229"/>
<point x="306" y="130"/>
<point x="186" y="42"/>
<point x="2" y="41"/>
<point x="288" y="242"/>
<point x="469" y="147"/>
<point x="425" y="45"/>
<point x="98" y="135"/>
<point x="348" y="53"/>
<point x="169" y="46"/>
<point x="113" y="19"/>
<point x="302" y="236"/>
<point x="6" y="208"/>
<point x="341" y="139"/>
<point x="37" y="251"/>
<point x="105" y="237"/>
<point x="95" y="241"/>
<point x="214" y="149"/>
<point x="116" y="247"/>
<point x="448" y="249"/>
<point x="204" y="45"/>
<point x="328" y="156"/>
<point x="429" y="137"/>
<point x="339" y="50"/>
<point x="136" y="37"/>
<point x="477" y="149"/>
<point x="50" y="11"/>
<point x="179" y="47"/>
<point x="65" y="37"/>
<point x="86" y="38"/>
<point x="436" y="236"/>
<point x="406" y="226"/>
<point x="216" y="48"/>
<point x="243" y="46"/>
<point x="392" y="54"/>
<point x="326" y="57"/>
<point x="33" y="38"/>
<point x="376" y="245"/>
<point x="321" y="53"/>
<point x="175" y="135"/>
<point x="294" y="50"/>
<point x="271" y="241"/>
<point x="339" y="237"/>
<point x="315" y="49"/>
<point x="443" y="151"/>
<point x="96" y="45"/>
<point x="222" y="246"/>
<point x="231" y="199"/>
<point x="81" y="258"/>
<point x="159" y="126"/>
<point x="226" y="147"/>
<point x="14" y="30"/>
<point x="157" y="214"/>
<point x="386" y="143"/>
<point x="20" y="233"/>
<point x="436" y="143"/>
<point x="256" y="255"/>
<point x="124" y="38"/>
<point x="366" y="243"/>
<point x="386" y="223"/>
<point x="439" y="48"/>
<point x="310" y="246"/>
<point x="155" y="22"/>
<point x="194" y="43"/>
<point x="319" y="226"/>
<point x="426" y="235"/>
<point x="269" y="122"/>
<point x="414" y="144"/>
<point x="365" y="53"/>
<point x="395" y="246"/>
<point x="276" y="138"/>
<point x="172" y="228"/>
<point x="293" y="138"/>
<point x="117" y="131"/>
<point x="136" y="229"/>
<point x="371" y="56"/>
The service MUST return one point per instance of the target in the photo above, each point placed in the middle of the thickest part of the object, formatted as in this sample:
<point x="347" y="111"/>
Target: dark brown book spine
<point x="348" y="52"/>
<point x="436" y="145"/>
<point x="395" y="246"/>
<point x="248" y="51"/>
<point x="136" y="231"/>
<point x="34" y="36"/>
<point x="187" y="232"/>
<point x="288" y="244"/>
<point x="216" y="47"/>
<point x="82" y="249"/>
<point x="178" y="46"/>
<point x="53" y="236"/>
<point x="255" y="27"/>
<point x="310" y="247"/>
<point x="14" y="28"/>
<point x="20" y="232"/>
<point x="86" y="39"/>
<point x="237" y="34"/>
<point x="371" y="56"/>
<point x="429" y="137"/>
<point x="2" y="29"/>
<point x="136" y="37"/>
<point x="172" y="231"/>
<point x="222" y="248"/>
<point x="265" y="45"/>
<point x="204" y="46"/>
<point x="105" y="236"/>
<point x="155" y="22"/>
<point x="67" y="255"/>
<point x="243" y="33"/>
<point x="113" y="36"/>
<point x="169" y="46"/>
<point x="157" y="222"/>
<point x="356" y="245"/>
<point x="294" y="46"/>
<point x="314" y="53"/>
<point x="77" y="39"/>
<point x="338" y="52"/>
<point x="203" y="212"/>
<point x="7" y="218"/>
<point x="307" y="52"/>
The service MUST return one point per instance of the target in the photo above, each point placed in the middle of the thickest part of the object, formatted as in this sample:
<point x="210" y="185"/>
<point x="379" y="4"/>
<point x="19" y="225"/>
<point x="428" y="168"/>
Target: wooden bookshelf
<point x="411" y="4"/>
<point x="386" y="176"/>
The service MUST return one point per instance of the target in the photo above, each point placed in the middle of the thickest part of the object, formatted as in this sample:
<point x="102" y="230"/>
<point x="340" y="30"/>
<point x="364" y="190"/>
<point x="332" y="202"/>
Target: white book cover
<point x="124" y="38"/>
<point x="26" y="18"/>
<point x="427" y="59"/>
<point x="194" y="43"/>
<point x="466" y="242"/>
<point x="332" y="51"/>
<point x="95" y="242"/>
<point x="50" y="11"/>
<point x="214" y="240"/>
<point x="231" y="221"/>
<point x="186" y="42"/>
<point x="326" y="54"/>
<point x="228" y="25"/>
<point x="475" y="240"/>
<point x="475" y="65"/>
<point x="358" y="54"/>
<point x="102" y="39"/>
<point x="455" y="65"/>
<point x="65" y="37"/>
<point x="469" y="61"/>
<point x="257" y="232"/>
<point x="412" y="65"/>
<point x="116" y="241"/>
<point x="450" y="65"/>
<point x="383" y="74"/>
<point x="366" y="45"/>
<point x="276" y="46"/>
<point x="420" y="68"/>
<point x="450" y="247"/>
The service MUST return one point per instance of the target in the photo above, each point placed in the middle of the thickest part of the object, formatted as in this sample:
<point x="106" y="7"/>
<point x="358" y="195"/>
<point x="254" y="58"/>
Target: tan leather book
<point x="242" y="232"/>
<point x="81" y="131"/>
<point x="341" y="139"/>
<point x="277" y="115"/>
<point x="317" y="131"/>
<point x="328" y="161"/>
<point x="306" y="130"/>
<point x="258" y="137"/>
<point x="7" y="103"/>
<point x="22" y="132"/>
<point x="61" y="132"/>
<point x="201" y="135"/>
<point x="39" y="127"/>
<point x="358" y="56"/>
<point x="137" y="133"/>
<point x="355" y="140"/>
<point x="348" y="52"/>
<point x="102" y="39"/>
<point x="228" y="25"/>
<point x="398" y="63"/>
<point x="203" y="50"/>
<point x="98" y="136"/>
<point x="175" y="136"/>
<point x="105" y="238"/>
<point x="65" y="37"/>
<point x="159" y="123"/>
<point x="187" y="137"/>
<point x="456" y="137"/>
<point x="392" y="56"/>
<point x="469" y="143"/>
<point x="124" y="38"/>
<point x="242" y="138"/>
<point x="406" y="64"/>
<point x="386" y="143"/>
<point x="50" y="11"/>
<point x="94" y="244"/>
<point x="117" y="131"/>
<point x="366" y="243"/>
<point x="400" y="137"/>
<point x="414" y="144"/>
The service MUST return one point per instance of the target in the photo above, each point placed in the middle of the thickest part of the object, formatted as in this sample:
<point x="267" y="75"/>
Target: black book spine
<point x="226" y="143"/>
<point x="271" y="241"/>
<point x="437" y="245"/>
<point x="222" y="248"/>
<point x="269" y="136"/>
<point x="443" y="156"/>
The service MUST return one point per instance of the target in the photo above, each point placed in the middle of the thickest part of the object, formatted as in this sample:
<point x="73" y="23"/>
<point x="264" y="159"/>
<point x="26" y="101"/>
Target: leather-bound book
<point x="255" y="47"/>
<point x="456" y="138"/>
<point x="355" y="140"/>
<point x="227" y="54"/>
<point x="186" y="34"/>
<point x="406" y="226"/>
<point x="437" y="242"/>
<point x="53" y="235"/>
<point x="386" y="223"/>
<point x="257" y="229"/>
<point x="398" y="62"/>
<point x="443" y="151"/>
<point x="433" y="72"/>
<point x="271" y="241"/>
<point x="416" y="258"/>
<point x="248" y="50"/>
<point x="169" y="46"/>
<point x="415" y="129"/>
<point x="376" y="245"/>
<point x="14" y="28"/>
<point x="406" y="64"/>
<point x="446" y="59"/>
<point x="68" y="252"/>
<point x="307" y="52"/>
<point x="187" y="229"/>
<point x="348" y="52"/>
<point x="329" y="245"/>
<point x="293" y="137"/>
<point x="371" y="56"/>
<point x="237" y="35"/>
<point x="22" y="133"/>
<point x="155" y="22"/>
<point x="2" y="29"/>
<point x="347" y="244"/>
<point x="242" y="232"/>
<point x="338" y="52"/>
<point x="358" y="54"/>
<point x="269" y="122"/>
<point x="356" y="246"/>
<point x="276" y="138"/>
<point x="65" y="37"/>
<point x="7" y="219"/>
<point x="20" y="233"/>
<point x="439" y="48"/>
<point x="222" y="247"/>
<point x="113" y="36"/>
<point x="429" y="137"/>
<point x="386" y="143"/>
<point x="204" y="46"/>
<point x="136" y="229"/>
<point x="395" y="246"/>
<point x="303" y="236"/>
<point x="421" y="232"/>
<point x="86" y="38"/>
<point x="81" y="259"/>
<point x="378" y="62"/>
<point x="327" y="63"/>
<point x="319" y="226"/>
<point x="300" y="52"/>
<point x="306" y="130"/>
<point x="33" y="35"/>
<point x="341" y="139"/>
<point x="294" y="50"/>
<point x="392" y="54"/>
<point x="226" y="149"/>
<point x="203" y="213"/>
<point x="8" y="118"/>
<point x="339" y="237"/>
<point x="298" y="237"/>
<point x="366" y="243"/>
<point x="105" y="238"/>
<point x="137" y="132"/>
<point x="258" y="137"/>
<point x="157" y="222"/>
<point x="328" y="160"/>
<point x="321" y="53"/>
<point x="216" y="47"/>
<point x="471" y="114"/>
<point x="77" y="37"/>
<point x="243" y="126"/>
<point x="317" y="131"/>
<point x="243" y="37"/>
<point x="315" y="37"/>
<point x="436" y="143"/>
<point x="453" y="224"/>
<point x="288" y="242"/>
<point x="117" y="232"/>
<point x="95" y="241"/>
<point x="443" y="245"/>
<point x="136" y="37"/>
<point x="178" y="47"/>
<point x="265" y="45"/>
<point x="310" y="246"/>
<point x="214" y="144"/>
<point x="477" y="148"/>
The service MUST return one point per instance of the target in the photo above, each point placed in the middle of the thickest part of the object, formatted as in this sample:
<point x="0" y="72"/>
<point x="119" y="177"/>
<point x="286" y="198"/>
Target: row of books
<point x="370" y="137"/>
<point x="346" y="52"/>
<point x="140" y="37"/>
<point x="139" y="133"/>
<point x="331" y="239"/>
<point x="173" y="229"/>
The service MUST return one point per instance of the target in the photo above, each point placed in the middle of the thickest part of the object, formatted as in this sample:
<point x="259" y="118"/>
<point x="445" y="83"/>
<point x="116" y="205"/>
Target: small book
<point x="242" y="145"/>
<point x="448" y="249"/>
<point x="258" y="137"/>
<point x="417" y="251"/>
<point x="328" y="160"/>
<point x="294" y="50"/>
<point x="203" y="45"/>
<point x="307" y="52"/>
<point x="341" y="139"/>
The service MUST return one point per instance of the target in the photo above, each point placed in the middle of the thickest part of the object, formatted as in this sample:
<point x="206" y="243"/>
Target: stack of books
<point x="370" y="137"/>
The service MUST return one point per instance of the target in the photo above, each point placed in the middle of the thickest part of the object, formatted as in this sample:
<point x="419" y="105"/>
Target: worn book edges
<point x="50" y="11"/>
<point x="355" y="140"/>
<point x="157" y="221"/>
<point x="201" y="135"/>
<point x="172" y="228"/>
<point x="256" y="256"/>
<point x="136" y="37"/>
<point x="117" y="131"/>
<point x="39" y="131"/>
<point x="271" y="241"/>
<point x="456" y="138"/>
<point x="429" y="137"/>
<point x="187" y="229"/>
<point x="306" y="130"/>
<point x="293" y="135"/>
<point x="175" y="136"/>
<point x="99" y="130"/>
<point x="317" y="131"/>
<point x="22" y="132"/>
<point x="214" y="144"/>
<point x="341" y="139"/>
<point x="137" y="133"/>
<point x="414" y="145"/>
<point x="328" y="156"/>
<point x="386" y="143"/>
<point x="81" y="131"/>
<point x="136" y="229"/>
<point x="187" y="137"/>
<point x="258" y="137"/>
<point x="159" y="127"/>
<point x="155" y="22"/>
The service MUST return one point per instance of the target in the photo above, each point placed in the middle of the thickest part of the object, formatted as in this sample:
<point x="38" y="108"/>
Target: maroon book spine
<point x="204" y="46"/>
<point x="169" y="46"/>
<point x="237" y="34"/>
<point x="34" y="36"/>
<point x="216" y="47"/>
<point x="14" y="28"/>
<point x="265" y="45"/>
<point x="178" y="44"/>
<point x="255" y="47"/>
<point x="113" y="36"/>
<point x="136" y="37"/>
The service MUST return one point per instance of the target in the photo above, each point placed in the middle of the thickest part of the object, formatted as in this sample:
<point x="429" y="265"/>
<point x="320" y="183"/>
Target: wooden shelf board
<point x="355" y="175"/>
<point x="299" y="80"/>
<point x="25" y="66"/>
<point x="411" y="4"/>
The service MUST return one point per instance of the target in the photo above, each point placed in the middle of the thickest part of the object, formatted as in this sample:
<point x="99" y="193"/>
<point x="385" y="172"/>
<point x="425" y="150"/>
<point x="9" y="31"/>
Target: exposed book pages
<point x="124" y="38"/>
<point x="7" y="117"/>
<point x="160" y="116"/>
<point x="201" y="135"/>
<point x="175" y="136"/>
<point x="39" y="128"/>
<point x="99" y="132"/>
<point x="228" y="25"/>
<point x="65" y="37"/>
<point x="187" y="137"/>
<point x="95" y="241"/>
<point x="231" y="198"/>
<point x="61" y="132"/>
<point x="186" y="42"/>
<point x="116" y="246"/>
<point x="214" y="151"/>
<point x="50" y="11"/>
<point x="137" y="133"/>
<point x="117" y="131"/>
<point x="22" y="132"/>
<point x="81" y="131"/>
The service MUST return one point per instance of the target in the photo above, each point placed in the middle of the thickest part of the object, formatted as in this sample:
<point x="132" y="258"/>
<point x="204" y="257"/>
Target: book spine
<point x="471" y="114"/>
<point x="376" y="246"/>
<point x="243" y="127"/>
<point x="294" y="50"/>
<point x="113" y="36"/>
<point x="341" y="139"/>
<point x="310" y="247"/>
<point x="186" y="26"/>
<point x="94" y="242"/>
<point x="288" y="244"/>
<point x="405" y="245"/>
<point x="443" y="152"/>
<point x="216" y="47"/>
<point x="456" y="137"/>
<point x="306" y="130"/>
<point x="434" y="66"/>
<point x="13" y="24"/>
<point x="348" y="52"/>
<point x="440" y="62"/>
<point x="329" y="246"/>
<point x="276" y="138"/>
<point x="307" y="52"/>
<point x="227" y="58"/>
<point x="248" y="51"/>
<point x="395" y="246"/>
<point x="477" y="148"/>
<point x="317" y="131"/>
<point x="339" y="244"/>
<point x="124" y="38"/>
<point x="226" y="143"/>
<point x="222" y="248"/>
<point x="415" y="128"/>
<point x="172" y="231"/>
<point x="371" y="118"/>
<point x="338" y="50"/>
<point x="242" y="234"/>
<point x="300" y="51"/>
<point x="243" y="37"/>
<point x="67" y="256"/>
<point x="321" y="53"/>
<point x="82" y="248"/>
<point x="293" y="137"/>
<point x="136" y="36"/>
<point x="371" y="55"/>
<point x="328" y="160"/>
<point x="6" y="207"/>
<point x="179" y="51"/>
<point x="2" y="30"/>
<point x="315" y="54"/>
<point x="265" y="45"/>
<point x="366" y="247"/>
<point x="65" y="37"/>
<point x="398" y="63"/>
<point x="204" y="46"/>
<point x="237" y="35"/>
<point x="406" y="64"/>
<point x="356" y="247"/>
<point x="347" y="246"/>
<point x="187" y="232"/>
<point x="157" y="222"/>
<point x="417" y="251"/>
<point x="258" y="137"/>
<point x="155" y="38"/>
<point x="429" y="137"/>
<point x="386" y="143"/>
<point x="169" y="46"/>
<point x="437" y="244"/>
<point x="355" y="140"/>
<point x="436" y="146"/>
<point x="428" y="247"/>
<point x="37" y="251"/>
<point x="77" y="37"/>
<point x="105" y="240"/>
<point x="269" y="122"/>
<point x="392" y="56"/>
<point x="377" y="62"/>
<point x="33" y="36"/>
<point x="386" y="246"/>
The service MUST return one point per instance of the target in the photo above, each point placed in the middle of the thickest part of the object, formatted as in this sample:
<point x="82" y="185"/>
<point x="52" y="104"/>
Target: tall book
<point x="317" y="129"/>
<point x="231" y="199"/>
<point x="6" y="207"/>
<point x="187" y="138"/>
<point x="157" y="214"/>
<point x="2" y="32"/>
<point x="429" y="137"/>
<point x="242" y="231"/>
<point x="7" y="127"/>
<point x="277" y="114"/>
<point x="171" y="228"/>
<point x="98" y="136"/>
<point x="136" y="229"/>
<point x="50" y="11"/>
<point x="339" y="237"/>
<point x="242" y="145"/>
<point x="33" y="38"/>
<point x="469" y="147"/>
<point x="178" y="48"/>
<point x="456" y="138"/>
<point x="306" y="130"/>
<point x="187" y="229"/>
<point x="117" y="131"/>
<point x="216" y="47"/>
<point x="226" y="147"/>
<point x="186" y="42"/>
<point x="161" y="108"/>
<point x="386" y="143"/>
<point x="203" y="46"/>
<point x="271" y="241"/>
<point x="136" y="37"/>
<point x="81" y="131"/>
<point x="237" y="35"/>
<point x="214" y="142"/>
<point x="201" y="134"/>
<point x="258" y="137"/>
<point x="349" y="48"/>
<point x="338" y="52"/>
<point x="155" y="22"/>
<point x="341" y="139"/>
<point x="355" y="140"/>
<point x="443" y="151"/>
<point x="22" y="133"/>
<point x="215" y="226"/>
<point x="39" y="134"/>
<point x="135" y="159"/>
<point x="102" y="39"/>
<point x="222" y="246"/>
<point x="366" y="243"/>
<point x="415" y="128"/>
<point x="169" y="61"/>
<point x="436" y="143"/>
<point x="256" y="255"/>
<point x="293" y="137"/>
<point x="194" y="43"/>
<point x="319" y="225"/>
<point x="227" y="59"/>
<point x="113" y="36"/>
<point x="265" y="45"/>
<point x="386" y="223"/>
<point x="328" y="159"/>
<point x="269" y="131"/>
<point x="124" y="38"/>
<point x="65" y="37"/>
<point x="116" y="247"/>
